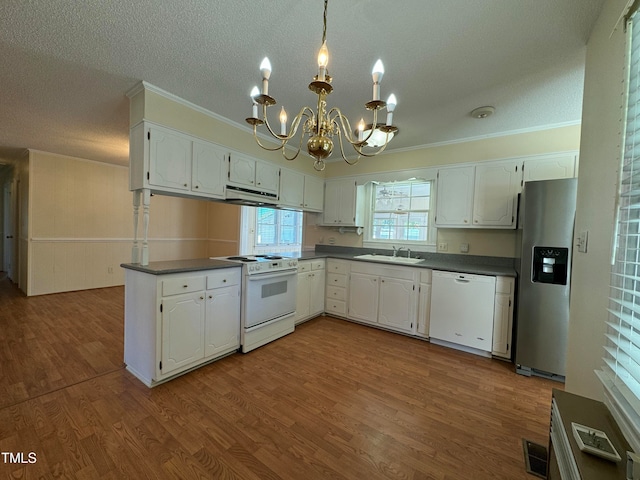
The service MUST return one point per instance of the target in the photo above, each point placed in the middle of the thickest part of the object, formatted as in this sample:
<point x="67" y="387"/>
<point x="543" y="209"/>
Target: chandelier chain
<point x="324" y="25"/>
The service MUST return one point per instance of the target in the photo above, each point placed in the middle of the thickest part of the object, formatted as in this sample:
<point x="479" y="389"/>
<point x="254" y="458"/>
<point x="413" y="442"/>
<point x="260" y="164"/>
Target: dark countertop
<point x="179" y="266"/>
<point x="478" y="265"/>
<point x="435" y="261"/>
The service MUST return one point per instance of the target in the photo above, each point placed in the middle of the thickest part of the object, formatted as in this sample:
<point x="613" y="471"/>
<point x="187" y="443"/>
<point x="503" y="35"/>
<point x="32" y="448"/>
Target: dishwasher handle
<point x="462" y="280"/>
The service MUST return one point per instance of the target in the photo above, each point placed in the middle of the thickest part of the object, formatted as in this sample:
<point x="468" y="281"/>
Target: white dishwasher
<point x="462" y="310"/>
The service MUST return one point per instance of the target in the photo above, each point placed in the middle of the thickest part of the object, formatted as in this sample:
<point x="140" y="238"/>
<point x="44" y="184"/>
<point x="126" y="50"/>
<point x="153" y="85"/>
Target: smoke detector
<point x="483" y="112"/>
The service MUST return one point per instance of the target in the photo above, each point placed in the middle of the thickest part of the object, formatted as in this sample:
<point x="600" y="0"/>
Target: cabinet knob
<point x="185" y="184"/>
<point x="259" y="183"/>
<point x="185" y="286"/>
<point x="210" y="296"/>
<point x="201" y="298"/>
<point x="197" y="186"/>
<point x="465" y="221"/>
<point x="224" y="280"/>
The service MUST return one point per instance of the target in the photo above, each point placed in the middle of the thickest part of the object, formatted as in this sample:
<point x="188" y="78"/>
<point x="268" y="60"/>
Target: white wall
<point x="81" y="224"/>
<point x="597" y="186"/>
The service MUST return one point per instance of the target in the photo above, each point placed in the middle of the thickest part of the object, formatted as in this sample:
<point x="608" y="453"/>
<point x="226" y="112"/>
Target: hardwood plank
<point x="332" y="400"/>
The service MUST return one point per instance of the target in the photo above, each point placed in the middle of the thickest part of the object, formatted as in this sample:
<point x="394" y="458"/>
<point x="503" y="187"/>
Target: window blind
<point x="620" y="373"/>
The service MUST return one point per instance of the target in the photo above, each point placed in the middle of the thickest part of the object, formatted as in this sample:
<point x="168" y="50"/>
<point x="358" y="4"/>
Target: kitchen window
<point x="268" y="230"/>
<point x="620" y="373"/>
<point x="400" y="214"/>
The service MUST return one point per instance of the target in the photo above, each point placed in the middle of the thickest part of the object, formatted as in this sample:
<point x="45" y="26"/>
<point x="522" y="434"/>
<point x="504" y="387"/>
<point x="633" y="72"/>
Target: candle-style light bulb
<point x="376" y="74"/>
<point x="254" y="107"/>
<point x="361" y="129"/>
<point x="391" y="106"/>
<point x="265" y="70"/>
<point x="283" y="122"/>
<point x="323" y="61"/>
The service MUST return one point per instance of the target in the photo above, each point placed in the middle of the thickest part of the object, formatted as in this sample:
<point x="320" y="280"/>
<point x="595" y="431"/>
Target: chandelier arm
<point x="270" y="149"/>
<point x="373" y="154"/>
<point x="344" y="157"/>
<point x="299" y="145"/>
<point x="348" y="132"/>
<point x="294" y="125"/>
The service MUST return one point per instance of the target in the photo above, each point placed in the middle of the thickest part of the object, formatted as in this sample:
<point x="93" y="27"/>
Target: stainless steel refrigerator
<point x="546" y="221"/>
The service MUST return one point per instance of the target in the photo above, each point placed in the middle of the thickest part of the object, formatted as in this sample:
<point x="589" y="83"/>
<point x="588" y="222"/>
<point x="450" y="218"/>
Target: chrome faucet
<point x="396" y="250"/>
<point x="408" y="253"/>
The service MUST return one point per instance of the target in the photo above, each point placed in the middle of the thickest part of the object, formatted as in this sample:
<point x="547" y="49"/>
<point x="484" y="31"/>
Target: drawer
<point x="337" y="267"/>
<point x="335" y="280"/>
<point x="336" y="306"/>
<point x="304" y="267"/>
<point x="505" y="285"/>
<point x="317" y="265"/>
<point x="175" y="286"/>
<point x="425" y="275"/>
<point x="336" y="293"/>
<point x="223" y="278"/>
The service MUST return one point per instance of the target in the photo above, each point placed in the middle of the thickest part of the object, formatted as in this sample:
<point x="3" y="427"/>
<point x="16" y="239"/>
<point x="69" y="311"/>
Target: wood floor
<point x="333" y="400"/>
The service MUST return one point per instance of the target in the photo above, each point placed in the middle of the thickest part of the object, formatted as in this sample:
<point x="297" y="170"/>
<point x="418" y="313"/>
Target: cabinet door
<point x="424" y="307"/>
<point x="291" y="188"/>
<point x="242" y="170"/>
<point x="169" y="159"/>
<point x="363" y="297"/>
<point x="454" y="205"/>
<point x="208" y="169"/>
<point x="316" y="293"/>
<point x="340" y="202"/>
<point x="302" y="296"/>
<point x="496" y="189"/>
<point x="182" y="331"/>
<point x="397" y="305"/>
<point x="222" y="327"/>
<point x="549" y="168"/>
<point x="267" y="177"/>
<point x="502" y="319"/>
<point x="313" y="193"/>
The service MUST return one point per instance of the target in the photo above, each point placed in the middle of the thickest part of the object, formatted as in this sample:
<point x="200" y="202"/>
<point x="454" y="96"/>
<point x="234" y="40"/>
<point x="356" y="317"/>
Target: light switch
<point x="443" y="247"/>
<point x="581" y="241"/>
<point x="464" y="248"/>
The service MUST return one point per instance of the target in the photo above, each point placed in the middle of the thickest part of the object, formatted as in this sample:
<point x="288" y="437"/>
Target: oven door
<point x="269" y="296"/>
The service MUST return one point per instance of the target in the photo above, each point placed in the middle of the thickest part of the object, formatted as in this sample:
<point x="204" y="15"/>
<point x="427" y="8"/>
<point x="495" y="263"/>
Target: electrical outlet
<point x="581" y="241"/>
<point x="464" y="248"/>
<point x="443" y="246"/>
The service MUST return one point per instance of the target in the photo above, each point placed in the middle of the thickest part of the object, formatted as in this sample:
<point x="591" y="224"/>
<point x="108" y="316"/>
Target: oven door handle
<point x="266" y="276"/>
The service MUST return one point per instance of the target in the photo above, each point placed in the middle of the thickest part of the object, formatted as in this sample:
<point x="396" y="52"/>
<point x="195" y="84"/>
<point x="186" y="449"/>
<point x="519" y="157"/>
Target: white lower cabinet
<point x="383" y="295"/>
<point x="310" y="289"/>
<point x="176" y="322"/>
<point x="503" y="317"/>
<point x="337" y="283"/>
<point x="424" y="303"/>
<point x="182" y="328"/>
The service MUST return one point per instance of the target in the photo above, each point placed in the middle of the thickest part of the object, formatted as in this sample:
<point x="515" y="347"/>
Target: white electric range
<point x="268" y="298"/>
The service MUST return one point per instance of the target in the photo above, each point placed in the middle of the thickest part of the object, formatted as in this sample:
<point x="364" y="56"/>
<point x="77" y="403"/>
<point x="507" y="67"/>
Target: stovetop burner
<point x="242" y="259"/>
<point x="270" y="257"/>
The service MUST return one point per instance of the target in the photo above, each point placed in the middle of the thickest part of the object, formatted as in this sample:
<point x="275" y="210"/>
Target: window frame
<point x="428" y="245"/>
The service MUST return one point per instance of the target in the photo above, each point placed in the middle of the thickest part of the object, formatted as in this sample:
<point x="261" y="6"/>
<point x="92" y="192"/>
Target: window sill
<point x="414" y="247"/>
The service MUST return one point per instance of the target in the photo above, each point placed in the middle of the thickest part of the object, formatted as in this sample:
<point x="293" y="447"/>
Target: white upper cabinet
<point x="291" y="189"/>
<point x="247" y="172"/>
<point x="313" y="193"/>
<point x="301" y="192"/>
<point x="495" y="194"/>
<point x="170" y="159"/>
<point x="455" y="196"/>
<point x="208" y="168"/>
<point x="343" y="203"/>
<point x="174" y="163"/>
<point x="549" y="167"/>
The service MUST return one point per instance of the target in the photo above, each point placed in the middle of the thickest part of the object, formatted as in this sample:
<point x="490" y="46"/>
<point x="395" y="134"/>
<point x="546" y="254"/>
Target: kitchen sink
<point x="388" y="258"/>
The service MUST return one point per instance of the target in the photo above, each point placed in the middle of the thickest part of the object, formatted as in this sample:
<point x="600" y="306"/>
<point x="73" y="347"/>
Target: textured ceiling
<point x="66" y="65"/>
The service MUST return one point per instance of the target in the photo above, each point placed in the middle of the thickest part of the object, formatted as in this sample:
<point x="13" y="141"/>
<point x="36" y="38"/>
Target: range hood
<point x="246" y="196"/>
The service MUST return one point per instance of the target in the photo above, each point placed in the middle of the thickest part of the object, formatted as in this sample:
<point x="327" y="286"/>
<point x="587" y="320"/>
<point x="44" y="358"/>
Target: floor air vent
<point x="535" y="458"/>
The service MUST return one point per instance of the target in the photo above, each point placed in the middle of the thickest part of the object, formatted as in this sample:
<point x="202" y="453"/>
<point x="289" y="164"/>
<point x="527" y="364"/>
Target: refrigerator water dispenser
<point x="550" y="265"/>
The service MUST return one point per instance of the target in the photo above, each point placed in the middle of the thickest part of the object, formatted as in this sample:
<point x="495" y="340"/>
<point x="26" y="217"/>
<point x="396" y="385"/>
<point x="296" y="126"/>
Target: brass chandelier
<point x="322" y="125"/>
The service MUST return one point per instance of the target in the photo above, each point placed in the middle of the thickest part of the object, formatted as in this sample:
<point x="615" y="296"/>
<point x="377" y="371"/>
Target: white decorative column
<point x="135" y="251"/>
<point x="146" y="200"/>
